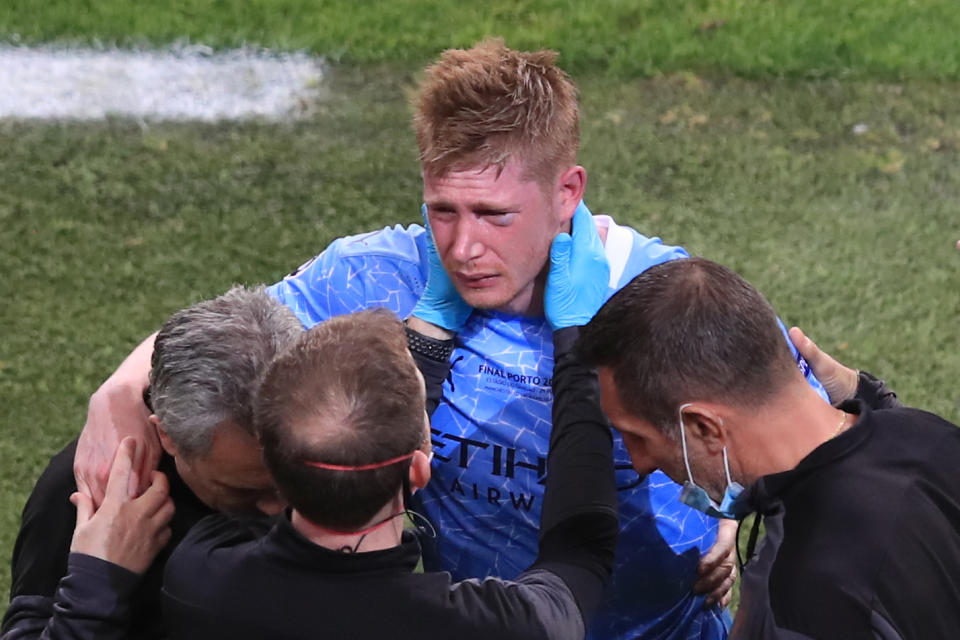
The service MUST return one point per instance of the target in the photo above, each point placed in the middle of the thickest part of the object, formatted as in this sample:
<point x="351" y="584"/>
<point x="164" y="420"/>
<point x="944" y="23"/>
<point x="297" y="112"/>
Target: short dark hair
<point x="208" y="360"/>
<point x="688" y="329"/>
<point x="347" y="393"/>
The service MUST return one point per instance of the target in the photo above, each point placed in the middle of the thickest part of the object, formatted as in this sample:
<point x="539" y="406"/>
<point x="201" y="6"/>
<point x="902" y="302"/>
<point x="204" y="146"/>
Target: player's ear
<point x="165" y="441"/>
<point x="704" y="425"/>
<point x="419" y="470"/>
<point x="570" y="187"/>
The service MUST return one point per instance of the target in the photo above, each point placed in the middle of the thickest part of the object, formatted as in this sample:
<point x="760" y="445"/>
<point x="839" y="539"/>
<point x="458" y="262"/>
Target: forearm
<point x="133" y="374"/>
<point x="578" y="528"/>
<point x="92" y="601"/>
<point x="433" y="368"/>
<point x="117" y="410"/>
<point x="580" y="462"/>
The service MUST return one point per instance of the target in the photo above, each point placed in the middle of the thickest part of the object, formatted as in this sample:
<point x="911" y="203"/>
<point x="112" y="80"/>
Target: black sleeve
<point x="578" y="527"/>
<point x="434" y="372"/>
<point x="41" y="549"/>
<point x="55" y="594"/>
<point x="93" y="601"/>
<point x="46" y="529"/>
<point x="875" y="393"/>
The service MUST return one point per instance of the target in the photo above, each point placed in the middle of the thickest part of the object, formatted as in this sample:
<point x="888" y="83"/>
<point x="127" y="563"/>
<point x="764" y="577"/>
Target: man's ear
<point x="570" y="188"/>
<point x="165" y="441"/>
<point x="704" y="423"/>
<point x="419" y="470"/>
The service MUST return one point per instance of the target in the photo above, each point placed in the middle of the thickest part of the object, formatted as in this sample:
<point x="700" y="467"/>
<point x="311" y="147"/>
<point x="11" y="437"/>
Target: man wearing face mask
<point x="865" y="503"/>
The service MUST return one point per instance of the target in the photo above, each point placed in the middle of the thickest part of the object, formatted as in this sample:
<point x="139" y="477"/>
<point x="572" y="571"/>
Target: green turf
<point x="106" y="228"/>
<point x="839" y="38"/>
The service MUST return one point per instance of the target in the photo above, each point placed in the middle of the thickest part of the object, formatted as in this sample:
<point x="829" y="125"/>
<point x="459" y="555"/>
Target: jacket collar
<point x="286" y="540"/>
<point x="768" y="491"/>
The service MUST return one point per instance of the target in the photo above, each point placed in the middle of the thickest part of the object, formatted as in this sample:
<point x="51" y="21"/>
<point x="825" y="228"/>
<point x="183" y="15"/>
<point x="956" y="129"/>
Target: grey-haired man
<point x="104" y="582"/>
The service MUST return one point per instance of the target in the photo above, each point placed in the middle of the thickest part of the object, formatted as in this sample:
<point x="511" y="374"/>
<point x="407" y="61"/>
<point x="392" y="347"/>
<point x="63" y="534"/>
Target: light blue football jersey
<point x="491" y="434"/>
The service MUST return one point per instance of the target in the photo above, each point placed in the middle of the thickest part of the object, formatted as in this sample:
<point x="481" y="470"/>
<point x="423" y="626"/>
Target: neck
<point x="784" y="431"/>
<point x="535" y="304"/>
<point x="528" y="302"/>
<point x="382" y="531"/>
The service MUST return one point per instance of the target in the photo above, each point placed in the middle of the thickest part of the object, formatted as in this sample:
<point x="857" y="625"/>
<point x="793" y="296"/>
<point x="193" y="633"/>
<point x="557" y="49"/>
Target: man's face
<point x="493" y="234"/>
<point x="650" y="449"/>
<point x="231" y="477"/>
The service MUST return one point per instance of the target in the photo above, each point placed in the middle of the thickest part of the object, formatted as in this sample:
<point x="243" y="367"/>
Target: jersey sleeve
<point x="802" y="364"/>
<point x="385" y="268"/>
<point x="630" y="253"/>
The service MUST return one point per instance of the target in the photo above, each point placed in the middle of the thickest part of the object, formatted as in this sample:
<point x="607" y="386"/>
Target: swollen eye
<point x="502" y="219"/>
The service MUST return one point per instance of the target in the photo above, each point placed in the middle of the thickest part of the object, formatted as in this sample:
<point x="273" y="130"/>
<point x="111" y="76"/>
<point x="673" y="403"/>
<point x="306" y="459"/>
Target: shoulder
<point x="630" y="253"/>
<point x="915" y="444"/>
<point x="211" y="577"/>
<point x="914" y="419"/>
<point x="385" y="268"/>
<point x="220" y="580"/>
<point x="220" y="530"/>
<point x="399" y="243"/>
<point x="887" y="516"/>
<point x="923" y="449"/>
<point x="210" y="547"/>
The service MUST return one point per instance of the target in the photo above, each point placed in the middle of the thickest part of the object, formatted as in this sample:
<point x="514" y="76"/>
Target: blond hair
<point x="482" y="106"/>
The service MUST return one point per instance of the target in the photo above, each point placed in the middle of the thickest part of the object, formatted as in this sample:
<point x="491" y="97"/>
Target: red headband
<point x="361" y="467"/>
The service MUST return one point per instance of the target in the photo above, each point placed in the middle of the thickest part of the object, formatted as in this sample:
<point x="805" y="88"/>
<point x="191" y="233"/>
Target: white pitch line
<point x="187" y="83"/>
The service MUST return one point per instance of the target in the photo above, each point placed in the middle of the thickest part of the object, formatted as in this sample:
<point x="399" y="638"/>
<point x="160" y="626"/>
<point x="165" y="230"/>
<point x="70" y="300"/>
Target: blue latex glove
<point x="579" y="274"/>
<point x="440" y="303"/>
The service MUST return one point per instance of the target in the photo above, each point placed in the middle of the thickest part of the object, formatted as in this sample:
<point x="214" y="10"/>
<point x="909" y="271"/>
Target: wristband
<point x="431" y="348"/>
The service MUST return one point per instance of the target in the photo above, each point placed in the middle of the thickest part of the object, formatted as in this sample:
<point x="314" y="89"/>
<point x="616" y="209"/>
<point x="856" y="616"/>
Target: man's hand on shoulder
<point x="126" y="530"/>
<point x="839" y="381"/>
<point x="117" y="410"/>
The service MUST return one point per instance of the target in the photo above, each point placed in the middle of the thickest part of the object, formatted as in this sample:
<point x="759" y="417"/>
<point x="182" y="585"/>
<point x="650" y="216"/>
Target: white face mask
<point x="696" y="497"/>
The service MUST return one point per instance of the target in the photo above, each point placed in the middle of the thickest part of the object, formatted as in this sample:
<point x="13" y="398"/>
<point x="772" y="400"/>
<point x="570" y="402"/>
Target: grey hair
<point x="208" y="361"/>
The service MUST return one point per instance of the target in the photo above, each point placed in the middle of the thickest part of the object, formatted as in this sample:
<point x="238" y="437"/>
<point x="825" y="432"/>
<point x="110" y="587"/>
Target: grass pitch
<point x="813" y="38"/>
<point x="837" y="196"/>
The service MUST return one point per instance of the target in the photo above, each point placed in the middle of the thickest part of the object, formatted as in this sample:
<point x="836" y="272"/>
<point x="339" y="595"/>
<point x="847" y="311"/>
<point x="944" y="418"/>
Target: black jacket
<point x="863" y="536"/>
<point x="56" y="594"/>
